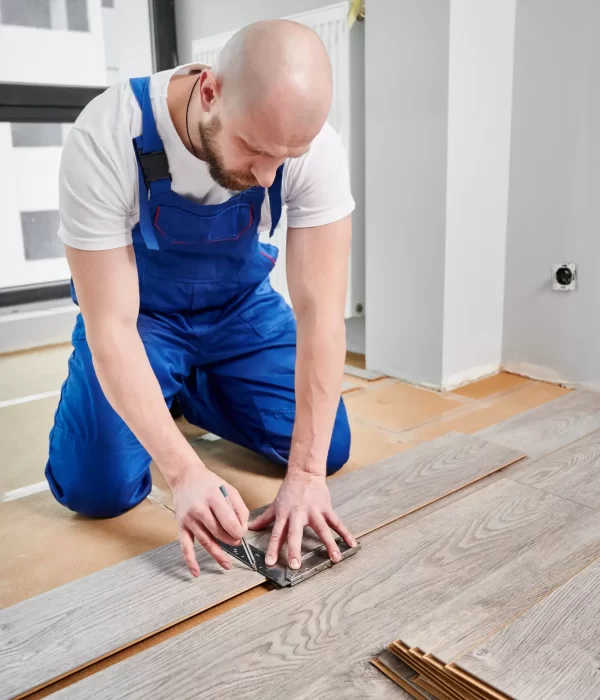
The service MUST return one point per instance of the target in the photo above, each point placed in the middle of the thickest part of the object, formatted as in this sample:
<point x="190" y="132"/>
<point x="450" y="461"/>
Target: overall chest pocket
<point x="180" y="227"/>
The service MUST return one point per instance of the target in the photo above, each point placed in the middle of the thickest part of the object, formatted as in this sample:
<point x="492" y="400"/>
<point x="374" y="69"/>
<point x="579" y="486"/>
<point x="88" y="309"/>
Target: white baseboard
<point x="546" y="374"/>
<point x="36" y="325"/>
<point x="473" y="374"/>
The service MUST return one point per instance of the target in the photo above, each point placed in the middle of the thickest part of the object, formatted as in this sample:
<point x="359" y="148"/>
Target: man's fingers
<point x="207" y="518"/>
<point x="264" y="519"/>
<point x="294" y="541"/>
<point x="324" y="533"/>
<point x="275" y="541"/>
<point x="227" y="517"/>
<point x="206" y="540"/>
<point x="186" y="540"/>
<point x="336" y="524"/>
<point x="240" y="507"/>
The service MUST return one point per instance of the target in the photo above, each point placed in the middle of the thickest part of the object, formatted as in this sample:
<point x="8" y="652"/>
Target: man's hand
<point x="303" y="499"/>
<point x="204" y="514"/>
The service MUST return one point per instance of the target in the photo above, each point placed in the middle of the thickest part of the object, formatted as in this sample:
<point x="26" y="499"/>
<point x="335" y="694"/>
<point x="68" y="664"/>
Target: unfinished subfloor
<point x="44" y="546"/>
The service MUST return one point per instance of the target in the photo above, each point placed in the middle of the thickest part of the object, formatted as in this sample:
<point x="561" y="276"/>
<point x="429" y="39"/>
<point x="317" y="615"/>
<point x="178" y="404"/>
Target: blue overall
<point x="216" y="334"/>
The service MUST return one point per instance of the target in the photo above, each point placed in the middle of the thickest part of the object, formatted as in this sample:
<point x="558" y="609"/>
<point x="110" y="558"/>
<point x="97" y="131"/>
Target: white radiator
<point x="330" y="24"/>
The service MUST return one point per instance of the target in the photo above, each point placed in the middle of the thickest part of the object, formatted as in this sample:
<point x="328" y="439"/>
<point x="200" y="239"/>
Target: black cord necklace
<point x="186" y="116"/>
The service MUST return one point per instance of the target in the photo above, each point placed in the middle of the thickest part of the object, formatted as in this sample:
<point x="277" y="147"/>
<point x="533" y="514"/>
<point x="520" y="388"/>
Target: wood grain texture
<point x="379" y="494"/>
<point x="48" y="636"/>
<point x="344" y="616"/>
<point x="573" y="472"/>
<point x="549" y="427"/>
<point x="552" y="651"/>
<point x="491" y="599"/>
<point x="372" y="497"/>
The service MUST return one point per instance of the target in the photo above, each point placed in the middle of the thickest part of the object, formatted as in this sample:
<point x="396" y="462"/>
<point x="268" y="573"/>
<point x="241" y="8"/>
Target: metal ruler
<point x="311" y="564"/>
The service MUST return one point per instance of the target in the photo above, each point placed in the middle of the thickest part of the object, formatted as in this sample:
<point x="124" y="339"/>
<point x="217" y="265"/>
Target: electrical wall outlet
<point x="564" y="277"/>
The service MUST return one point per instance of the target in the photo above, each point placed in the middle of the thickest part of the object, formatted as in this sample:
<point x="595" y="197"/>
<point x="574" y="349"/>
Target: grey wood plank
<point x="361" y="682"/>
<point x="548" y="427"/>
<point x="48" y="636"/>
<point x="343" y="617"/>
<point x="370" y="498"/>
<point x="490" y="600"/>
<point x="77" y="611"/>
<point x="573" y="472"/>
<point x="551" y="651"/>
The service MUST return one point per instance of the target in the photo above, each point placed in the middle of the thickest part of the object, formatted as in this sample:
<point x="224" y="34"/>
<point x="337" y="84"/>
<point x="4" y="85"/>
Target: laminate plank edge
<point x="572" y="472"/>
<point x="549" y="427"/>
<point x="372" y="497"/>
<point x="402" y="674"/>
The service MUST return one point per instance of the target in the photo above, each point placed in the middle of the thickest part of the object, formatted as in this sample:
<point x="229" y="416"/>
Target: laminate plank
<point x="493" y="598"/>
<point x="344" y="616"/>
<point x="46" y="637"/>
<point x="547" y="428"/>
<point x="552" y="650"/>
<point x="396" y="487"/>
<point x="372" y="497"/>
<point x="573" y="472"/>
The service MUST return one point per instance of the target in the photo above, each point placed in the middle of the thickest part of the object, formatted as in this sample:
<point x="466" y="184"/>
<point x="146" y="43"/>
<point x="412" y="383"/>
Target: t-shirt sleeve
<point x="318" y="184"/>
<point x="93" y="189"/>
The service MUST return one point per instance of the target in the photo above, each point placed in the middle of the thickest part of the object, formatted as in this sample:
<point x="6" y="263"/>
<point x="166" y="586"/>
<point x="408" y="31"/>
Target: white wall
<point x="196" y="19"/>
<point x="479" y="125"/>
<point x="406" y="53"/>
<point x="439" y="93"/>
<point x="554" y="213"/>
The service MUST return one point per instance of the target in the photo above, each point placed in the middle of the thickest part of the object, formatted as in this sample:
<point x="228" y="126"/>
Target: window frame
<point x="31" y="102"/>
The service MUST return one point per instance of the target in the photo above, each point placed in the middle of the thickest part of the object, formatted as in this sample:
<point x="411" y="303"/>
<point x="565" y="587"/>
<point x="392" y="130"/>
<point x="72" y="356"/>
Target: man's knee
<point x="339" y="449"/>
<point x="90" y="481"/>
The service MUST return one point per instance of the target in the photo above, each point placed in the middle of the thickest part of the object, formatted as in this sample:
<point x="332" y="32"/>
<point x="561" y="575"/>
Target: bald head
<point x="277" y="71"/>
<point x="264" y="100"/>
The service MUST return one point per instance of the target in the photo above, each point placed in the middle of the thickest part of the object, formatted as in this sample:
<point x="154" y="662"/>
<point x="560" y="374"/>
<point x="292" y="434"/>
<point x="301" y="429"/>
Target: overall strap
<point x="153" y="166"/>
<point x="151" y="141"/>
<point x="275" y="199"/>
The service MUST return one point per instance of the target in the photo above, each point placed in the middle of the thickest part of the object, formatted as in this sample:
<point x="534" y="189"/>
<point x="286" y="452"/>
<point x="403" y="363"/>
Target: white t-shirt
<point x="98" y="173"/>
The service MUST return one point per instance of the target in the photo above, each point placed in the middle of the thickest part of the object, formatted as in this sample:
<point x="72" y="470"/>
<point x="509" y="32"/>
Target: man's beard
<point x="229" y="179"/>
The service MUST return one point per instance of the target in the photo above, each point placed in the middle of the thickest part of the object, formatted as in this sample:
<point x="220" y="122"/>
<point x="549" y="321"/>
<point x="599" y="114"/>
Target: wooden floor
<point x="387" y="417"/>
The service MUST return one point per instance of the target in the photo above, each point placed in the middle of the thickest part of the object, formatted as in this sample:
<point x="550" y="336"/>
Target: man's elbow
<point x="108" y="337"/>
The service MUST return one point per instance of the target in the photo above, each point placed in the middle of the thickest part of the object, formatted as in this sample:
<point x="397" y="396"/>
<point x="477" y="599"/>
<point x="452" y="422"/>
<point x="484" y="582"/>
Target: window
<point x="55" y="56"/>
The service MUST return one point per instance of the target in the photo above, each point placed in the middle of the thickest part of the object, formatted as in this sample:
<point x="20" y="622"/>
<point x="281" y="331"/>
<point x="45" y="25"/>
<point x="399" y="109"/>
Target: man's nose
<point x="265" y="173"/>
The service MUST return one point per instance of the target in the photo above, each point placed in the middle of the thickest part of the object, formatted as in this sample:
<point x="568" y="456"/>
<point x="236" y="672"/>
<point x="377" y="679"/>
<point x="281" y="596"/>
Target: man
<point x="165" y="184"/>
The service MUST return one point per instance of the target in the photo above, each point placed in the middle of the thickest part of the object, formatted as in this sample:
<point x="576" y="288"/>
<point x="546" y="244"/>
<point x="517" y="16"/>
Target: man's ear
<point x="209" y="89"/>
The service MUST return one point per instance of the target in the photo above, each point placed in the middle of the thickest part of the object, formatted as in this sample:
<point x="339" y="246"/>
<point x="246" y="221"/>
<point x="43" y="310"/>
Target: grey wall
<point x="554" y="203"/>
<point x="407" y="45"/>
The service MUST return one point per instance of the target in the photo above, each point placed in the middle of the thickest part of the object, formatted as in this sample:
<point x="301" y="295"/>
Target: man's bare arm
<point x="317" y="273"/>
<point x="106" y="283"/>
<point x="318" y="280"/>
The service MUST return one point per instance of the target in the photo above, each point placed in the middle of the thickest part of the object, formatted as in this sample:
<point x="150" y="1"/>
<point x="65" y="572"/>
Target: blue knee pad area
<point x="95" y="480"/>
